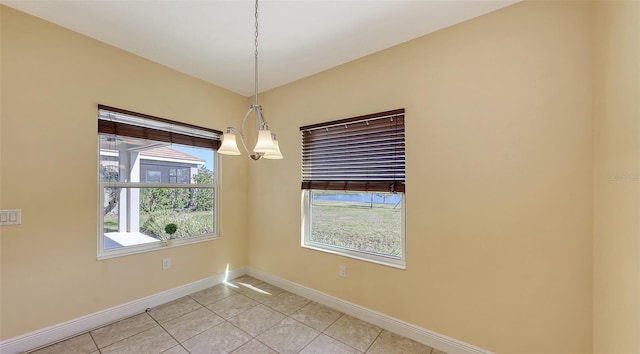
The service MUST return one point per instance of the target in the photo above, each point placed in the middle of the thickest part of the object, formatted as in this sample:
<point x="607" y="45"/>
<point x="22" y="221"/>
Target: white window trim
<point x="399" y="263"/>
<point x="129" y="250"/>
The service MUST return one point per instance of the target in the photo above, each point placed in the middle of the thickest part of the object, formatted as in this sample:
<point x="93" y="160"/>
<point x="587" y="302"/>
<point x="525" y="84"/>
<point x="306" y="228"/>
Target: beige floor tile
<point x="286" y="302"/>
<point x="436" y="351"/>
<point x="254" y="347"/>
<point x="324" y="344"/>
<point x="81" y="344"/>
<point x="257" y="319"/>
<point x="191" y="324"/>
<point x="152" y="341"/>
<point x="120" y="330"/>
<point x="390" y="342"/>
<point x="317" y="316"/>
<point x="222" y="338"/>
<point x="288" y="336"/>
<point x="178" y="349"/>
<point x="210" y="295"/>
<point x="354" y="332"/>
<point x="232" y="305"/>
<point x="173" y="309"/>
<point x="261" y="292"/>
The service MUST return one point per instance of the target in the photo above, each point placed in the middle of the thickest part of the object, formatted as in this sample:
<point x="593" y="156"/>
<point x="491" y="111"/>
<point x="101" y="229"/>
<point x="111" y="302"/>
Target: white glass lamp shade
<point x="274" y="155"/>
<point x="265" y="143"/>
<point x="229" y="145"/>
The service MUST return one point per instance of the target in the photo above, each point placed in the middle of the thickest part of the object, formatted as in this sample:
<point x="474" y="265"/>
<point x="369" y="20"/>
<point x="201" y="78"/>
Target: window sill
<point x="371" y="258"/>
<point x="150" y="247"/>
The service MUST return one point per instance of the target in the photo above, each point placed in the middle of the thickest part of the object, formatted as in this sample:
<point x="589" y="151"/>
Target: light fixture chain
<point x="256" y="40"/>
<point x="256" y="59"/>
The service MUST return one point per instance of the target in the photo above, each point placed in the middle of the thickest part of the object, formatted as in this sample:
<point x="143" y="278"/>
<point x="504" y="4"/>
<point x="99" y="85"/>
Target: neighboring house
<point x="161" y="164"/>
<point x="167" y="165"/>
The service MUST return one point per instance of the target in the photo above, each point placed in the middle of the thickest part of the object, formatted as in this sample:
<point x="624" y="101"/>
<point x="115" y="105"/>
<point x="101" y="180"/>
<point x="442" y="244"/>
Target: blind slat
<point x="365" y="186"/>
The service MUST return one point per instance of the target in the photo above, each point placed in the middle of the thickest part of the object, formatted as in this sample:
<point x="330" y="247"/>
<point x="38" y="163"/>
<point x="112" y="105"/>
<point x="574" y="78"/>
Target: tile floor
<point x="245" y="315"/>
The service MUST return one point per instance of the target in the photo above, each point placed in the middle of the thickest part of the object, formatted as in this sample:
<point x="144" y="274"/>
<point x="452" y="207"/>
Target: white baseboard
<point x="98" y="319"/>
<point x="424" y="336"/>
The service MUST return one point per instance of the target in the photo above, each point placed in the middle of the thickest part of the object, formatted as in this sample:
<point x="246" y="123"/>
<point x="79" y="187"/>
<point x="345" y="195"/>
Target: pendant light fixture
<point x="266" y="144"/>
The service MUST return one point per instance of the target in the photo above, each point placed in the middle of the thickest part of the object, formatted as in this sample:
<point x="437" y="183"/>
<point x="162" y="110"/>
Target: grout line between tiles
<point x="374" y="340"/>
<point x="119" y="340"/>
<point x="170" y="335"/>
<point x="131" y="336"/>
<point x="94" y="341"/>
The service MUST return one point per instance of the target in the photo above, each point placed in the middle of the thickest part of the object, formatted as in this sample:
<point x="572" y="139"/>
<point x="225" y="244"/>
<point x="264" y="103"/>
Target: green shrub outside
<point x="189" y="223"/>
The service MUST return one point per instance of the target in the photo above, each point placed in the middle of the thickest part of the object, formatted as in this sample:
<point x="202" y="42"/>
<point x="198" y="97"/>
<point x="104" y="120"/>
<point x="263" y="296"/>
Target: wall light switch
<point x="11" y="217"/>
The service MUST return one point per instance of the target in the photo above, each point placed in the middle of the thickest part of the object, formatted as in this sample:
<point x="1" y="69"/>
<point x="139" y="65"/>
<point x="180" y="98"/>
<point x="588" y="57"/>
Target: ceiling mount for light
<point x="266" y="144"/>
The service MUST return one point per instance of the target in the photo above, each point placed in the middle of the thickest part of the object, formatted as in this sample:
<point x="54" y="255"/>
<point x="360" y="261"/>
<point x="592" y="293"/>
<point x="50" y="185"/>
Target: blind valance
<point x="137" y="125"/>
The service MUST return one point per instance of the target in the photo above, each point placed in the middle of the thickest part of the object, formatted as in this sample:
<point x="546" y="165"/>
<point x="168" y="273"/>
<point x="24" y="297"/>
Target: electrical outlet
<point x="166" y="263"/>
<point x="343" y="272"/>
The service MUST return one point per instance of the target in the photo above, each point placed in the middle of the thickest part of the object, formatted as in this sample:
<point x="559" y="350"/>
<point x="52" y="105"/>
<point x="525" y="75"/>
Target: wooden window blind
<point x="137" y="125"/>
<point x="365" y="153"/>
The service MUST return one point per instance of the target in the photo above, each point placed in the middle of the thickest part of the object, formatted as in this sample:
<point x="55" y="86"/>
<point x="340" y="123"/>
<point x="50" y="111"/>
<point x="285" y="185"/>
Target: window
<point x="153" y="177"/>
<point x="154" y="172"/>
<point x="353" y="187"/>
<point x="179" y="175"/>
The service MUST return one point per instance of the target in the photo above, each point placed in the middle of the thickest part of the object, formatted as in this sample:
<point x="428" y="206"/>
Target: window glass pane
<point x="111" y="221"/>
<point x="184" y="175"/>
<point x="153" y="176"/>
<point x="109" y="159"/>
<point x="359" y="221"/>
<point x="136" y="216"/>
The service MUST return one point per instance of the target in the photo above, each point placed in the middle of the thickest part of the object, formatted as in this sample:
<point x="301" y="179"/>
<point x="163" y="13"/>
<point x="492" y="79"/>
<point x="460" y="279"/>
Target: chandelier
<point x="266" y="144"/>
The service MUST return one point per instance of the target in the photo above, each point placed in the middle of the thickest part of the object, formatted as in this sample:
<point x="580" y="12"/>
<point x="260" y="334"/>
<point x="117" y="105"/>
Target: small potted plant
<point x="171" y="230"/>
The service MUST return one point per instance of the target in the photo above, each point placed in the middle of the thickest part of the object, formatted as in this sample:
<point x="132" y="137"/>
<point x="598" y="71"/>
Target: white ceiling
<point x="213" y="40"/>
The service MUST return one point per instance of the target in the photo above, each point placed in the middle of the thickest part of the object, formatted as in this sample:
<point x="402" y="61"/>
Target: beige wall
<point x="616" y="295"/>
<point x="52" y="80"/>
<point x="499" y="179"/>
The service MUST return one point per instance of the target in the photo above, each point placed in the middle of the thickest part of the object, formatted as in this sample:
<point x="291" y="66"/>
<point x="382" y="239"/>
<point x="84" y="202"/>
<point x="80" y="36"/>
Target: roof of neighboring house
<point x="164" y="153"/>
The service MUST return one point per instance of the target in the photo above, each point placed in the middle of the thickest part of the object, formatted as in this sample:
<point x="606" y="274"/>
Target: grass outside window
<point x="362" y="225"/>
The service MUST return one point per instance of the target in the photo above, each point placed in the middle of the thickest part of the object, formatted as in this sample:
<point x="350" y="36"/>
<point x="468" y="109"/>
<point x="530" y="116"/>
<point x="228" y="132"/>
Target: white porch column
<point x="134" y="194"/>
<point x="123" y="176"/>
